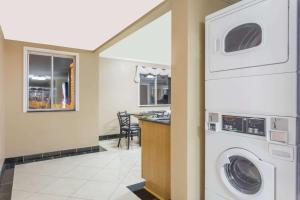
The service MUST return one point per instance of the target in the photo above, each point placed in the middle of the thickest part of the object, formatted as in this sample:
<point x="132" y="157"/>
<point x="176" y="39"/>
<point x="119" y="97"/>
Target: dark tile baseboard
<point x="8" y="168"/>
<point x="6" y="182"/>
<point x="11" y="162"/>
<point x="136" y="186"/>
<point x="109" y="137"/>
<point x="139" y="190"/>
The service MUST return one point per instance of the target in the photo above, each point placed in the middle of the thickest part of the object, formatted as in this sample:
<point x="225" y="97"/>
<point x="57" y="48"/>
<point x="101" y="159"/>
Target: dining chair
<point x="127" y="129"/>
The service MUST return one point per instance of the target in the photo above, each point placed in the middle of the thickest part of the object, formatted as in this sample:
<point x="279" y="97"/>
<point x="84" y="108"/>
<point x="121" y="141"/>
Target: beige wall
<point x="30" y="133"/>
<point x="187" y="127"/>
<point x="119" y="92"/>
<point x="2" y="128"/>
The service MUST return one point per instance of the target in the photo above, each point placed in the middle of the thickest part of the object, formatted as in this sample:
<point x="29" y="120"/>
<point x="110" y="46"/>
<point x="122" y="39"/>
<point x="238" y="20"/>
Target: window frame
<point x="155" y="95"/>
<point x="48" y="52"/>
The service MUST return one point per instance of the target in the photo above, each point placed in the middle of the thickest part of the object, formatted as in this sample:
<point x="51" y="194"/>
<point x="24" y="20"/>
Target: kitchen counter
<point x="157" y="120"/>
<point x="156" y="156"/>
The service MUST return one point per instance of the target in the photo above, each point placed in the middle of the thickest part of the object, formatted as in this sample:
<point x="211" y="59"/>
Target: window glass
<point x="63" y="83"/>
<point x="155" y="90"/>
<point x="39" y="79"/>
<point x="163" y="90"/>
<point x="147" y="89"/>
<point x="243" y="37"/>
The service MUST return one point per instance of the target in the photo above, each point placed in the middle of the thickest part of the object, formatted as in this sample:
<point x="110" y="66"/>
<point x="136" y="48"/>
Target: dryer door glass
<point x="243" y="37"/>
<point x="243" y="175"/>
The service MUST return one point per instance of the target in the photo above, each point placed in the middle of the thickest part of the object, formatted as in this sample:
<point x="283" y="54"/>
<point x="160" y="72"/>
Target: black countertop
<point x="157" y="120"/>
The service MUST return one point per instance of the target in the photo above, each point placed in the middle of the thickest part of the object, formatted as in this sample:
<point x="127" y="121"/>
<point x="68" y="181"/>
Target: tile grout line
<point x="117" y="187"/>
<point x="78" y="190"/>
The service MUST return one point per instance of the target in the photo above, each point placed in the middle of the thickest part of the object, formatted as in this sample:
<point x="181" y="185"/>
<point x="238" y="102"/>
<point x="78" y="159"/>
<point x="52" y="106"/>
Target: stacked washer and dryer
<point x="253" y="101"/>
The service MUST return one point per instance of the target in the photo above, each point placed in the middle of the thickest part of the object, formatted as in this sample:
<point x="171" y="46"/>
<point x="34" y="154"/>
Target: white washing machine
<point x="244" y="162"/>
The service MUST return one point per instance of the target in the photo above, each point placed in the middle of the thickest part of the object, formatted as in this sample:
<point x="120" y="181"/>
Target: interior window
<point x="39" y="80"/>
<point x="243" y="37"/>
<point x="63" y="83"/>
<point x="163" y="90"/>
<point x="147" y="89"/>
<point x="155" y="90"/>
<point x="51" y="82"/>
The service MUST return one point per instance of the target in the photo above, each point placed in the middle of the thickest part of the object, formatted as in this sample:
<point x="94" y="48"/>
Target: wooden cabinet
<point x="156" y="158"/>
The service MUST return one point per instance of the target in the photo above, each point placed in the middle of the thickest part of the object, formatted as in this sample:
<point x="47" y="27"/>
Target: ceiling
<point x="150" y="44"/>
<point x="82" y="24"/>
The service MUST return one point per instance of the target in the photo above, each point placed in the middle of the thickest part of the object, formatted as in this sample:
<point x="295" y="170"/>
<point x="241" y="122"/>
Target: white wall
<point x="119" y="92"/>
<point x="152" y="43"/>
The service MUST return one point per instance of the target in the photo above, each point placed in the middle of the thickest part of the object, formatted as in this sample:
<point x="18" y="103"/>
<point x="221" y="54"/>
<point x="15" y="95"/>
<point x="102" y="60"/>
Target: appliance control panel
<point x="246" y="125"/>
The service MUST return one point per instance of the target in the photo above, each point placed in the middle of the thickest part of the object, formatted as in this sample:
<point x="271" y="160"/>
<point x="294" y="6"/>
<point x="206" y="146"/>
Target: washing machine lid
<point x="245" y="175"/>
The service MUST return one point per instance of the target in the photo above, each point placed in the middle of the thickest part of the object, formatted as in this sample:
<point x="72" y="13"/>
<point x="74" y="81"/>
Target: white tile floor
<point x="97" y="176"/>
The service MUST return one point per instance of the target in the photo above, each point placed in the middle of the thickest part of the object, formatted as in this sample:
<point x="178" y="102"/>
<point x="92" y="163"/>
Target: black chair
<point x="126" y="128"/>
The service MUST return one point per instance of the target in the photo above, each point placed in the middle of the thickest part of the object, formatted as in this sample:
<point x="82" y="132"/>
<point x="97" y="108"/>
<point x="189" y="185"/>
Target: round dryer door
<point x="243" y="174"/>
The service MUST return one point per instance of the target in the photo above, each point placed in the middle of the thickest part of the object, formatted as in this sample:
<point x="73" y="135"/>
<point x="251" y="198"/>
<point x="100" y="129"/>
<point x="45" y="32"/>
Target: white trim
<point x="135" y="60"/>
<point x="77" y="105"/>
<point x="25" y="80"/>
<point x="155" y="90"/>
<point x="49" y="52"/>
<point x="154" y="105"/>
<point x="51" y="89"/>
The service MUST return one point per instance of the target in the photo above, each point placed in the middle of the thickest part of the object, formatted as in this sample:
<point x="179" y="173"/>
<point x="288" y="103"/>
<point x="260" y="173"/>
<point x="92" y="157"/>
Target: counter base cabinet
<point x="156" y="158"/>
